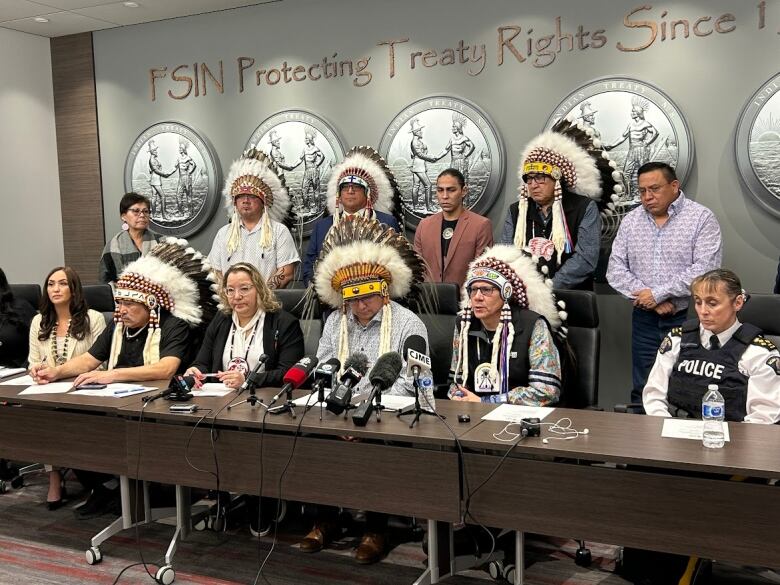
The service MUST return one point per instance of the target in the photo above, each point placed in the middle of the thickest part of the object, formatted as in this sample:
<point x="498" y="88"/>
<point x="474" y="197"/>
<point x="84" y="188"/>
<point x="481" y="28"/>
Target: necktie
<point x="714" y="342"/>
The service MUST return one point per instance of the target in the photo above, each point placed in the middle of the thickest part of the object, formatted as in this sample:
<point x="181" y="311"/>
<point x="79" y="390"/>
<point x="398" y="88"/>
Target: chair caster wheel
<point x="17" y="482"/>
<point x="165" y="575"/>
<point x="583" y="557"/>
<point x="509" y="573"/>
<point x="3" y="486"/>
<point x="94" y="556"/>
<point x="217" y="523"/>
<point x="496" y="569"/>
<point x="201" y="525"/>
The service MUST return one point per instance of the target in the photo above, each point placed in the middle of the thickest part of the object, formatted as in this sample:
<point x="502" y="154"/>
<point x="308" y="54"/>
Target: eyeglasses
<point x="136" y="211"/>
<point x="653" y="189"/>
<point x="538" y="179"/>
<point x="240" y="291"/>
<point x="352" y="187"/>
<point x="361" y="300"/>
<point x="247" y="196"/>
<point x="487" y="291"/>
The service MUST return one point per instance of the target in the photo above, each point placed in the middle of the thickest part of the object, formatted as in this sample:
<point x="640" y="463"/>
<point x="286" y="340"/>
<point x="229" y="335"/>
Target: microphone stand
<point x="252" y="399"/>
<point x="417" y="410"/>
<point x="288" y="406"/>
<point x="320" y="397"/>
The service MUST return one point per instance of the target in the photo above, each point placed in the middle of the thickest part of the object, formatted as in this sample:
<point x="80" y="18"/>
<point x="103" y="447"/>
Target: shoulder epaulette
<point x="762" y="341"/>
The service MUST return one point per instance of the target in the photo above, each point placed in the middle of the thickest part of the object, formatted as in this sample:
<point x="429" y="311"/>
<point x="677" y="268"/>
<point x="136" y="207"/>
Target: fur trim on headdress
<point x="172" y="276"/>
<point x="360" y="257"/>
<point x="540" y="297"/>
<point x="519" y="283"/>
<point x="256" y="174"/>
<point x="367" y="164"/>
<point x="575" y="158"/>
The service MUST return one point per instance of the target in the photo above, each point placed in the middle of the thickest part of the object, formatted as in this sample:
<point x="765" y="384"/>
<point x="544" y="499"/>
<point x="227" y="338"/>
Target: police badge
<point x="774" y="363"/>
<point x="666" y="345"/>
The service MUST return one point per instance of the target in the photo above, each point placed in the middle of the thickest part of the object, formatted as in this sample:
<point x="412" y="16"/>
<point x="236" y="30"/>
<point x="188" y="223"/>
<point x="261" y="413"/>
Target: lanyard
<point x="251" y="339"/>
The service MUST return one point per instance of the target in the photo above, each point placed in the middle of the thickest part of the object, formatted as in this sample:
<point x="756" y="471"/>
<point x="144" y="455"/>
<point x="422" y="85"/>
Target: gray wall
<point x="30" y="222"/>
<point x="709" y="79"/>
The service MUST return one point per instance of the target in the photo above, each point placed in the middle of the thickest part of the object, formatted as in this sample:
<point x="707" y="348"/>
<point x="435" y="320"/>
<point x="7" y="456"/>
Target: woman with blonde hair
<point x="251" y="323"/>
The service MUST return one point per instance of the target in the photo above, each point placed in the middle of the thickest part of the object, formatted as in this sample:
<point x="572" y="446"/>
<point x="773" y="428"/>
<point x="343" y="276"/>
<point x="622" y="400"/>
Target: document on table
<point x="51" y="388"/>
<point x="394" y="402"/>
<point x="117" y="390"/>
<point x="211" y="389"/>
<point x="309" y="399"/>
<point x="516" y="412"/>
<point x="20" y="381"/>
<point x="688" y="428"/>
<point x="8" y="372"/>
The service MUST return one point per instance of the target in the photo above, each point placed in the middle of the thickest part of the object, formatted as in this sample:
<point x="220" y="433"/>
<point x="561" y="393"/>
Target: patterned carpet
<point x="43" y="547"/>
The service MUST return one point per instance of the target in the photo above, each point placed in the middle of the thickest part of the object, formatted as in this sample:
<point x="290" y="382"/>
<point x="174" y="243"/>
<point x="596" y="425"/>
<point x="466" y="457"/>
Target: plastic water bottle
<point x="713" y="413"/>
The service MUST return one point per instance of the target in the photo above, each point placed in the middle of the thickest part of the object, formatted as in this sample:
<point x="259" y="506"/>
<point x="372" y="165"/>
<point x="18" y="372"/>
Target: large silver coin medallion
<point x="758" y="145"/>
<point x="177" y="169"/>
<point x="436" y="133"/>
<point x="636" y="123"/>
<point x="305" y="148"/>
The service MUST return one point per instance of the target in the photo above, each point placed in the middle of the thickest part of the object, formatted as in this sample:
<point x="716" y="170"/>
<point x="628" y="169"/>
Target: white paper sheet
<point x="8" y="372"/>
<point x="52" y="388"/>
<point x="516" y="412"/>
<point x="683" y="428"/>
<point x="310" y="399"/>
<point x="20" y="381"/>
<point x="211" y="389"/>
<point x="116" y="390"/>
<point x="393" y="402"/>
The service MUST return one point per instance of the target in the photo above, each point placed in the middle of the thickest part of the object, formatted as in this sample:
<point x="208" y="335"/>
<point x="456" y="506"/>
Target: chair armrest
<point x="631" y="408"/>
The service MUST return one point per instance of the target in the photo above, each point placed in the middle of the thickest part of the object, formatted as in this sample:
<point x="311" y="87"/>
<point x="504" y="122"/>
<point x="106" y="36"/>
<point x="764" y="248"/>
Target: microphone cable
<point x="462" y="515"/>
<point x="281" y="479"/>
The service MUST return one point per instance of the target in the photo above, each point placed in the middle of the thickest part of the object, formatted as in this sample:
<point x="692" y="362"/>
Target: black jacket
<point x="282" y="342"/>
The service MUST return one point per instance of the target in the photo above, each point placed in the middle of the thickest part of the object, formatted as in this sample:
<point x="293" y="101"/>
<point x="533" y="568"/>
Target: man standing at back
<point x="659" y="249"/>
<point x="452" y="238"/>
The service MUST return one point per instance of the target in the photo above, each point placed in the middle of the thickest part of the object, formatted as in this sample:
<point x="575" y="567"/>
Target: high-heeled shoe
<point x="57" y="504"/>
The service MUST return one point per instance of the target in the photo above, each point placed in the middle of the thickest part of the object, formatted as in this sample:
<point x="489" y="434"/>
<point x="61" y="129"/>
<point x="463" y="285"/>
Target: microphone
<point x="325" y="375"/>
<point x="252" y="381"/>
<point x="178" y="389"/>
<point x="417" y="362"/>
<point x="418" y="367"/>
<point x="355" y="367"/>
<point x="297" y="375"/>
<point x="383" y="375"/>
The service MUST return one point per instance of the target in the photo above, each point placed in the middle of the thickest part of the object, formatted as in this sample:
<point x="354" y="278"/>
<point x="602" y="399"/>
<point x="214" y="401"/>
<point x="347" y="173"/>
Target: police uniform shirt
<point x="760" y="362"/>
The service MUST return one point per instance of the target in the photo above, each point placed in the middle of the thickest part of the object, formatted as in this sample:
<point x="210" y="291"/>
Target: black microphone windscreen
<point x="358" y="362"/>
<point x="386" y="369"/>
<point x="417" y="343"/>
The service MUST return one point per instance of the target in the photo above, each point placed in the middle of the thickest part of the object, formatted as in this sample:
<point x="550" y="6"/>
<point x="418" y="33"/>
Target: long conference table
<point x="620" y="483"/>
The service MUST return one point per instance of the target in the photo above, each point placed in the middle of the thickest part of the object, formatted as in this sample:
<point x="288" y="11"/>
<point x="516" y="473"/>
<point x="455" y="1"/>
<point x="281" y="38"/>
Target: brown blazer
<point x="472" y="236"/>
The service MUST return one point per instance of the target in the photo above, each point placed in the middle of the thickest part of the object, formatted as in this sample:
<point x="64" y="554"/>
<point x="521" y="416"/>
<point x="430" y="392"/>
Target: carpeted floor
<point x="41" y="547"/>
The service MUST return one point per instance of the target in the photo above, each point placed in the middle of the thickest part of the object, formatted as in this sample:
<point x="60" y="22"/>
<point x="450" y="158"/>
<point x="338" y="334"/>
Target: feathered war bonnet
<point x="256" y="174"/>
<point x="361" y="257"/>
<point x="519" y="283"/>
<point x="572" y="155"/>
<point x="364" y="166"/>
<point x="172" y="276"/>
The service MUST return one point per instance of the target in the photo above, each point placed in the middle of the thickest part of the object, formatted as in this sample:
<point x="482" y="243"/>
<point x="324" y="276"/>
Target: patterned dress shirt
<point x="665" y="259"/>
<point x="365" y="339"/>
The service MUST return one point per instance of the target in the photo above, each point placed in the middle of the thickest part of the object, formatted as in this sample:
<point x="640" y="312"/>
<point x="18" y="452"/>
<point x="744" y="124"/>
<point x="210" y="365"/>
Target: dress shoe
<point x="320" y="536"/>
<point x="100" y="501"/>
<point x="371" y="548"/>
<point x="52" y="505"/>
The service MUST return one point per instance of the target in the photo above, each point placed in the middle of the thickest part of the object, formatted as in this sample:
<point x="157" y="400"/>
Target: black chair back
<point x="292" y="302"/>
<point x="581" y="390"/>
<point x="99" y="297"/>
<point x="442" y="299"/>
<point x="763" y="311"/>
<point x="28" y="292"/>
